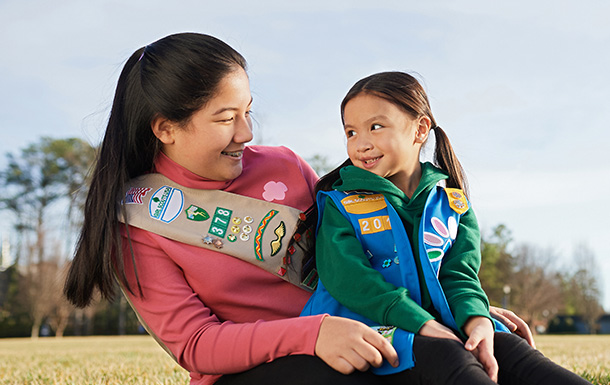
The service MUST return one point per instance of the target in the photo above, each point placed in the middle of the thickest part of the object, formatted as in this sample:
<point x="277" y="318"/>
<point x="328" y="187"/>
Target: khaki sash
<point x="259" y="232"/>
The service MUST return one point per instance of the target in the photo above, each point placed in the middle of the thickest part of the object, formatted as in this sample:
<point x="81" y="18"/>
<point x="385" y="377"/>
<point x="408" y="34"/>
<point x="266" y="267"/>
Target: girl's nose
<point x="364" y="145"/>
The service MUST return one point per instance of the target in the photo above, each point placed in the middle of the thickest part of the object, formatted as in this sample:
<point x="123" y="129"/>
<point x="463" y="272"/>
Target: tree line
<point x="43" y="190"/>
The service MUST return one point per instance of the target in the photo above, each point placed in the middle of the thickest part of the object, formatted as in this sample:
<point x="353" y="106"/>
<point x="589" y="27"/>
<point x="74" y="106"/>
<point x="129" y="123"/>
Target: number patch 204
<point x="220" y="222"/>
<point x="374" y="224"/>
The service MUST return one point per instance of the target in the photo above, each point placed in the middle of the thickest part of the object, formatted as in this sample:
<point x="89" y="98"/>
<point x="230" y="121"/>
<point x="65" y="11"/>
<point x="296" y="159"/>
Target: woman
<point x="182" y="110"/>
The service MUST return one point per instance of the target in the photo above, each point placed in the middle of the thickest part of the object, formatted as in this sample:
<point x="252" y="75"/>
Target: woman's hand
<point x="513" y="323"/>
<point x="435" y="329"/>
<point x="480" y="332"/>
<point x="347" y="345"/>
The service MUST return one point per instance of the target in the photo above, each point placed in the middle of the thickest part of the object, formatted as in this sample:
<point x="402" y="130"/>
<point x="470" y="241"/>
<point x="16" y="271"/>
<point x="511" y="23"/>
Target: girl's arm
<point x="459" y="273"/>
<point x="349" y="278"/>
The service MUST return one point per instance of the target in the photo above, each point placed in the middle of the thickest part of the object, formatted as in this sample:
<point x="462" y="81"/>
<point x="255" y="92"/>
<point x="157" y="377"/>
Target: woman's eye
<point x="376" y="126"/>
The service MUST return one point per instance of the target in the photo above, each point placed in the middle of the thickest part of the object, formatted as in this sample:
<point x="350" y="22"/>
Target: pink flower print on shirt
<point x="274" y="191"/>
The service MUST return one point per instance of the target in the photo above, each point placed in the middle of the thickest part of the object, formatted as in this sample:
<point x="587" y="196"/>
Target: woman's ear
<point x="163" y="129"/>
<point x="423" y="129"/>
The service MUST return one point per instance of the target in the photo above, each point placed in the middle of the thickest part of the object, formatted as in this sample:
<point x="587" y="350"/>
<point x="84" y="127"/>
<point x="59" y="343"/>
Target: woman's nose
<point x="243" y="130"/>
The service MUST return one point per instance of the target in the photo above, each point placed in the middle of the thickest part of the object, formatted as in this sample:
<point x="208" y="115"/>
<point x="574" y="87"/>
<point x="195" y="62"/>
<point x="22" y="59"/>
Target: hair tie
<point x="143" y="52"/>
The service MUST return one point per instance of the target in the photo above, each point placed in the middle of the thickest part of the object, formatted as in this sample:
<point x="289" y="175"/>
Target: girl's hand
<point x="513" y="323"/>
<point x="433" y="328"/>
<point x="347" y="345"/>
<point x="480" y="332"/>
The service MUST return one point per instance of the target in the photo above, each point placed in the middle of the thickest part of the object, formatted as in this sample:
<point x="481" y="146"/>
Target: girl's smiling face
<point x="385" y="140"/>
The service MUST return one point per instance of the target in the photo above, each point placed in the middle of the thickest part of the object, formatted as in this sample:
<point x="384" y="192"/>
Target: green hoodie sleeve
<point x="459" y="273"/>
<point x="349" y="277"/>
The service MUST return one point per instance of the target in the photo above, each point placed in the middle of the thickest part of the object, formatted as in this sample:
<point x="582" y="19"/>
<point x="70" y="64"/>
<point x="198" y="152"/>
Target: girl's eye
<point x="350" y="133"/>
<point x="249" y="112"/>
<point x="375" y="126"/>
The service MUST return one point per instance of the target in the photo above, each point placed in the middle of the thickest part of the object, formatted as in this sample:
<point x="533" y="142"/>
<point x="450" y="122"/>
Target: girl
<point x="400" y="253"/>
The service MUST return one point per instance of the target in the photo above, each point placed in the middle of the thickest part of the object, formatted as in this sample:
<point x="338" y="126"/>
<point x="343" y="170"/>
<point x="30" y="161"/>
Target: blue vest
<point x="384" y="240"/>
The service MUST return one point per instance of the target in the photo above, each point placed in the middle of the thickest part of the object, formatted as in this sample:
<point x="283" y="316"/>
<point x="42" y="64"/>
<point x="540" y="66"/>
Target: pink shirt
<point x="215" y="313"/>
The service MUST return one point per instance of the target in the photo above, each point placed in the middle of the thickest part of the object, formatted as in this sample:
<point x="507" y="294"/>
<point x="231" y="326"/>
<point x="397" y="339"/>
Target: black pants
<point x="447" y="362"/>
<point x="438" y="361"/>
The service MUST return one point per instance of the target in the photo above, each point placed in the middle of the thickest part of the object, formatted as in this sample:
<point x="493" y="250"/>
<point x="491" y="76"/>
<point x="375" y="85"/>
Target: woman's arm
<point x="514" y="323"/>
<point x="199" y="340"/>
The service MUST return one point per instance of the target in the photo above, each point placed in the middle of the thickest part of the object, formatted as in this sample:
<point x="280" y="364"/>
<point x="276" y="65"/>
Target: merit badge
<point x="166" y="203"/>
<point x="207" y="240"/>
<point x="220" y="222"/>
<point x="236" y="220"/>
<point x="386" y="263"/>
<point x="386" y="332"/>
<point x="259" y="233"/>
<point x="457" y="200"/>
<point x="247" y="229"/>
<point x="231" y="238"/>
<point x="244" y="237"/>
<point x="194" y="213"/>
<point x="217" y="243"/>
<point x="235" y="229"/>
<point x="276" y="244"/>
<point x="248" y="219"/>
<point x="135" y="194"/>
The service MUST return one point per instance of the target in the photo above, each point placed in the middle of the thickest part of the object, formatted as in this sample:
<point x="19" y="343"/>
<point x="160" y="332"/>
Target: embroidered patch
<point x="457" y="200"/>
<point x="220" y="222"/>
<point x="386" y="332"/>
<point x="276" y="244"/>
<point x="311" y="281"/>
<point x="374" y="224"/>
<point x="363" y="204"/>
<point x="166" y="204"/>
<point x="274" y="191"/>
<point x="194" y="213"/>
<point x="135" y="194"/>
<point x="259" y="234"/>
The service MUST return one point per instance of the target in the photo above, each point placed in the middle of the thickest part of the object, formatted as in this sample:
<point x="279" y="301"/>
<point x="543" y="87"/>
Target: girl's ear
<point x="423" y="129"/>
<point x="163" y="129"/>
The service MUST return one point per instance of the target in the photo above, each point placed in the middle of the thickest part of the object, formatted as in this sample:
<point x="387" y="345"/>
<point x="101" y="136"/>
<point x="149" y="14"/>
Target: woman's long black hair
<point x="173" y="78"/>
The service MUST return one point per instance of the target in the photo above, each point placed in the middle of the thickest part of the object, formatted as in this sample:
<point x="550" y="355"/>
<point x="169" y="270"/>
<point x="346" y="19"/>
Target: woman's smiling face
<point x="211" y="143"/>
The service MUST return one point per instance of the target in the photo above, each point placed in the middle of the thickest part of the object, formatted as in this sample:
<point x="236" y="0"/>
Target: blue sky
<point x="520" y="87"/>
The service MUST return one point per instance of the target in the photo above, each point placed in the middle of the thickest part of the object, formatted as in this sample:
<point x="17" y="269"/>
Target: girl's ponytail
<point x="445" y="159"/>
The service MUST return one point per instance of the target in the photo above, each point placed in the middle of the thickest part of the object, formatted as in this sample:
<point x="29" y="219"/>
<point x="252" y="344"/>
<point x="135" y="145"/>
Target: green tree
<point x="496" y="264"/>
<point x="45" y="174"/>
<point x="581" y="287"/>
<point x="320" y="164"/>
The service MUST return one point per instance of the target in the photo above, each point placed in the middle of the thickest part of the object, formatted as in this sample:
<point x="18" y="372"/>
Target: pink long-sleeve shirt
<point x="218" y="314"/>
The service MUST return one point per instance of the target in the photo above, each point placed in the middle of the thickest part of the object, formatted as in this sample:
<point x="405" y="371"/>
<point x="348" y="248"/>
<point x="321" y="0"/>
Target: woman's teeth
<point x="234" y="154"/>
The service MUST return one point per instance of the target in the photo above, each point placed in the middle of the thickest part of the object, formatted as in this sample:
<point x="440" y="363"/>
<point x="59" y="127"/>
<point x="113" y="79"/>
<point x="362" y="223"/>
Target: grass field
<point x="138" y="360"/>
